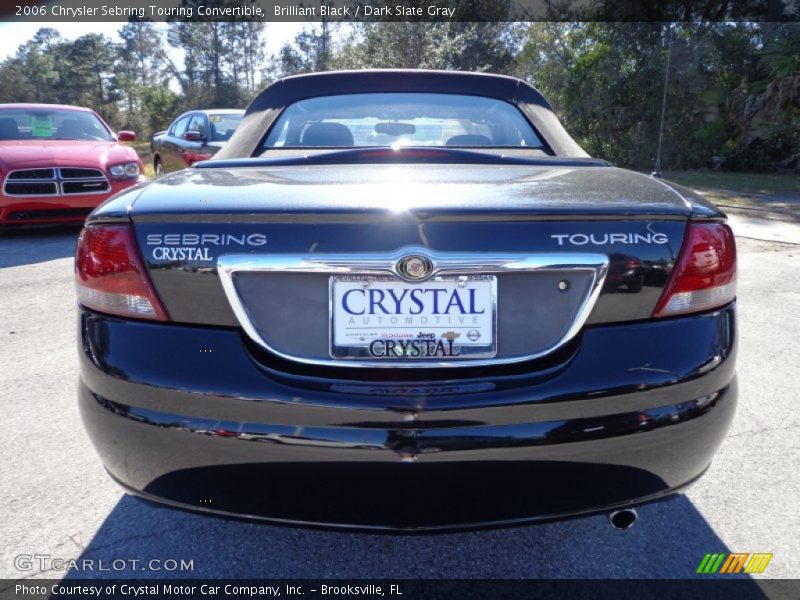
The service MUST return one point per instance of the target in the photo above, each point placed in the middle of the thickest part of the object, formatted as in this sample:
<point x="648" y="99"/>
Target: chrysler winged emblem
<point x="414" y="267"/>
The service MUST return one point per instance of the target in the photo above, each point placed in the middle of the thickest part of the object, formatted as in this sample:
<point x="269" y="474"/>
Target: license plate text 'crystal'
<point x="384" y="317"/>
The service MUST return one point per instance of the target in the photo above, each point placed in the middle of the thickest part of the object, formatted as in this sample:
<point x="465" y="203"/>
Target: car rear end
<point x="283" y="360"/>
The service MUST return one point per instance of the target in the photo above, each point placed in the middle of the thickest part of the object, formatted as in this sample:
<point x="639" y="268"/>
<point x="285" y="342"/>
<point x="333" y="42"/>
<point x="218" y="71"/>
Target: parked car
<point x="194" y="136"/>
<point x="59" y="162"/>
<point x="406" y="275"/>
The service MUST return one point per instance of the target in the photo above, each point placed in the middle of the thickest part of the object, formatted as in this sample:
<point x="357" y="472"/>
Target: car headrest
<point x="8" y="129"/>
<point x="468" y="140"/>
<point x="326" y="134"/>
<point x="70" y="128"/>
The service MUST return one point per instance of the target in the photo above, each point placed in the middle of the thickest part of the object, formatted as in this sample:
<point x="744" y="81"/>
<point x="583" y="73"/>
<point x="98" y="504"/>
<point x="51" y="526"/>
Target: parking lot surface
<point x="57" y="499"/>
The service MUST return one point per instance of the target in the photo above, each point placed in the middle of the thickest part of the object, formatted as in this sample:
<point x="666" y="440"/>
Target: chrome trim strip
<point x="444" y="263"/>
<point x="58" y="180"/>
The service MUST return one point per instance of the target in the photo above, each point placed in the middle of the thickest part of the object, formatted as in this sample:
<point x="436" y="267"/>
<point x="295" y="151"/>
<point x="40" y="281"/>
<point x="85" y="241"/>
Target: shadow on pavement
<point x="668" y="541"/>
<point x="29" y="245"/>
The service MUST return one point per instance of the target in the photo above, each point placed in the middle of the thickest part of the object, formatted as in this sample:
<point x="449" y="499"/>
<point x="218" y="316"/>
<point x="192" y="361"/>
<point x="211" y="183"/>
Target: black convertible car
<point x="405" y="299"/>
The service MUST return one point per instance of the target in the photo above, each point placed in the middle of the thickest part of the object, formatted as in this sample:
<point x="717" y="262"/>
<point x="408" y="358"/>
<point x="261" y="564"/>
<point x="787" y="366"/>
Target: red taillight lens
<point x="704" y="275"/>
<point x="110" y="275"/>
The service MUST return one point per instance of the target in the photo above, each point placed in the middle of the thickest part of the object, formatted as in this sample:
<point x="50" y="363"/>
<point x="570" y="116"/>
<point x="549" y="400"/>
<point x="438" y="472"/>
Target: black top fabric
<point x="266" y="107"/>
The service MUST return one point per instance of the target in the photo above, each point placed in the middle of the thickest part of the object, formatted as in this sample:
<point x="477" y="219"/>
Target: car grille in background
<point x="73" y="173"/>
<point x="33" y="174"/>
<point x="55" y="182"/>
<point x="31" y="188"/>
<point x="61" y="213"/>
<point x="83" y="187"/>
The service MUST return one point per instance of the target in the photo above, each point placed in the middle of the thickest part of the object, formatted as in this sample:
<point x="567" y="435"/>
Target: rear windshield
<point x="223" y="125"/>
<point x="45" y="124"/>
<point x="401" y="119"/>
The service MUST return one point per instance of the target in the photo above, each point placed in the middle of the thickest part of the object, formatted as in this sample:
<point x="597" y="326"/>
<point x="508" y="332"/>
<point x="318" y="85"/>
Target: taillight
<point x="704" y="275"/>
<point x="110" y="275"/>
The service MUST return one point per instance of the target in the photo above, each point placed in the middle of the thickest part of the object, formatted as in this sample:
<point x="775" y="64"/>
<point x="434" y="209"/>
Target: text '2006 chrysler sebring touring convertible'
<point x="406" y="299"/>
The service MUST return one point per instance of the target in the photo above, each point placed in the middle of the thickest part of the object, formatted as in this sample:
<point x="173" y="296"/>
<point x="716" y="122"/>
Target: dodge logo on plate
<point x="415" y="268"/>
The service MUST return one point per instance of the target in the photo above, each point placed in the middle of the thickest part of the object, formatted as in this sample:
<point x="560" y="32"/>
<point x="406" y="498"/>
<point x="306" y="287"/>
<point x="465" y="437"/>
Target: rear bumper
<point x="188" y="417"/>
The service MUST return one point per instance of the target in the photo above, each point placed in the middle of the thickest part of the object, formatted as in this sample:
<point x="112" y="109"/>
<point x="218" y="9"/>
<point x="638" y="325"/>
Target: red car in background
<point x="59" y="162"/>
<point x="194" y="136"/>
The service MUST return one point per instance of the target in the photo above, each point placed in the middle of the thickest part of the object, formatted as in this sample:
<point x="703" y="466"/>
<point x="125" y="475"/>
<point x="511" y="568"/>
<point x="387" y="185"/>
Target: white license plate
<point x="444" y="318"/>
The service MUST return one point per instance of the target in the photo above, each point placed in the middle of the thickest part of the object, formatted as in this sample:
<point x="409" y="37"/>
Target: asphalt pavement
<point x="57" y="500"/>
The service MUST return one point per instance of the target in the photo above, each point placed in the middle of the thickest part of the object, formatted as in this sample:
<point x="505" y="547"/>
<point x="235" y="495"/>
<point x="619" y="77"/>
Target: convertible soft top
<point x="266" y="107"/>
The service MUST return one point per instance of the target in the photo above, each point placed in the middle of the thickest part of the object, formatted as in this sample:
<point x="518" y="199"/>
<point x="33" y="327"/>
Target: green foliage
<point x="159" y="105"/>
<point x="402" y="45"/>
<point x="733" y="88"/>
<point x="781" y="54"/>
<point x="310" y="52"/>
<point x="774" y="145"/>
<point x="221" y="61"/>
<point x="606" y="80"/>
<point x="708" y="139"/>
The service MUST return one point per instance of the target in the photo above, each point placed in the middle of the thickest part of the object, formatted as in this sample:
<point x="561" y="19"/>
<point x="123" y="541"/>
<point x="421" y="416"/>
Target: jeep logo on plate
<point x="414" y="268"/>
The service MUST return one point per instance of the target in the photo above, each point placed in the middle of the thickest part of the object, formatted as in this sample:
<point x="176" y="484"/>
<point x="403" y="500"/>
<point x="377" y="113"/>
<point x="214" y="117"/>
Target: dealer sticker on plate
<point x="445" y="318"/>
